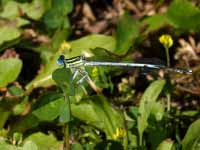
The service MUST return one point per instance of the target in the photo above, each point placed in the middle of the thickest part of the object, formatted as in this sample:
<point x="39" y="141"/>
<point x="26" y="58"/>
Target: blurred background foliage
<point x="130" y="111"/>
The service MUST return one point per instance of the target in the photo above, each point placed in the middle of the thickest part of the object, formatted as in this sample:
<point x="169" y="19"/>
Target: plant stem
<point x="126" y="138"/>
<point x="66" y="145"/>
<point x="168" y="101"/>
<point x="167" y="55"/>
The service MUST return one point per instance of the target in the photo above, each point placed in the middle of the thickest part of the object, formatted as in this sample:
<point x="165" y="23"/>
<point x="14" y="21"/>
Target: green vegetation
<point x="43" y="108"/>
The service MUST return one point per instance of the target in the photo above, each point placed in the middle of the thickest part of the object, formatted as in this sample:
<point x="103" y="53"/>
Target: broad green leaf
<point x="166" y="145"/>
<point x="191" y="140"/>
<point x="183" y="14"/>
<point x="49" y="111"/>
<point x="158" y="110"/>
<point x="63" y="6"/>
<point x="50" y="106"/>
<point x="19" y="108"/>
<point x="127" y="32"/>
<point x="44" y="142"/>
<point x="56" y="16"/>
<point x="65" y="111"/>
<point x="77" y="146"/>
<point x="9" y="70"/>
<point x="53" y="19"/>
<point x="98" y="112"/>
<point x="8" y="33"/>
<point x="155" y="22"/>
<point x="85" y="44"/>
<point x="63" y="77"/>
<point x="29" y="145"/>
<point x="35" y="9"/>
<point x="6" y="146"/>
<point x="146" y="104"/>
<point x="10" y="10"/>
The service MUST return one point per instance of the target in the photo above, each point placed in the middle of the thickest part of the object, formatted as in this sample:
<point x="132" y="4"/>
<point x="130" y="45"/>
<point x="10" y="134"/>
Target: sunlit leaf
<point x="29" y="145"/>
<point x="146" y="104"/>
<point x="89" y="42"/>
<point x="44" y="142"/>
<point x="8" y="33"/>
<point x="158" y="110"/>
<point x="35" y="9"/>
<point x="191" y="140"/>
<point x="6" y="146"/>
<point x="9" y="70"/>
<point x="49" y="111"/>
<point x="166" y="145"/>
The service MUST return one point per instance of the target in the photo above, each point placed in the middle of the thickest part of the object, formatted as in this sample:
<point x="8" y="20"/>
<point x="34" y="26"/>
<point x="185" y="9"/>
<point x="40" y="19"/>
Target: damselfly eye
<point x="60" y="60"/>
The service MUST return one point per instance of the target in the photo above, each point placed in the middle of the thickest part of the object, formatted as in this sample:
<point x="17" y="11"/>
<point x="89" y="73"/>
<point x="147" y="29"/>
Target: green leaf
<point x="63" y="78"/>
<point x="10" y="10"/>
<point x="53" y="19"/>
<point x="19" y="108"/>
<point x="8" y="33"/>
<point x="3" y="117"/>
<point x="65" y="115"/>
<point x="158" y="110"/>
<point x="146" y="104"/>
<point x="127" y="32"/>
<point x="56" y="16"/>
<point x="44" y="142"/>
<point x="29" y="145"/>
<point x="35" y="9"/>
<point x="85" y="44"/>
<point x="15" y="90"/>
<point x="183" y="14"/>
<point x="63" y="6"/>
<point x="50" y="111"/>
<point x="191" y="140"/>
<point x="9" y="70"/>
<point x="165" y="145"/>
<point x="155" y="22"/>
<point x="6" y="146"/>
<point x="98" y="112"/>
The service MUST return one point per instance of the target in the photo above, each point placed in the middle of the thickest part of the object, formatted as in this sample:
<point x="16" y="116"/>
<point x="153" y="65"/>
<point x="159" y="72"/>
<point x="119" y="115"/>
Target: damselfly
<point x="80" y="61"/>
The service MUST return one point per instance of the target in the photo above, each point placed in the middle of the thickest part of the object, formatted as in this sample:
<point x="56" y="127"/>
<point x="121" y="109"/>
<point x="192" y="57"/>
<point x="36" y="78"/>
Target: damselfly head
<point x="60" y="60"/>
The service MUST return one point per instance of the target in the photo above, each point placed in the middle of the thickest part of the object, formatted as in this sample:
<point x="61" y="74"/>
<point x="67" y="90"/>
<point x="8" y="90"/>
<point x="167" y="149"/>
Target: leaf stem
<point x="167" y="55"/>
<point x="66" y="145"/>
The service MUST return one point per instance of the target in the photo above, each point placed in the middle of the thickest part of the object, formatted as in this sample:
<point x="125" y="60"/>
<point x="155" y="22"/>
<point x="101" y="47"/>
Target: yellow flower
<point x="64" y="46"/>
<point x="120" y="132"/>
<point x="94" y="72"/>
<point x="166" y="40"/>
